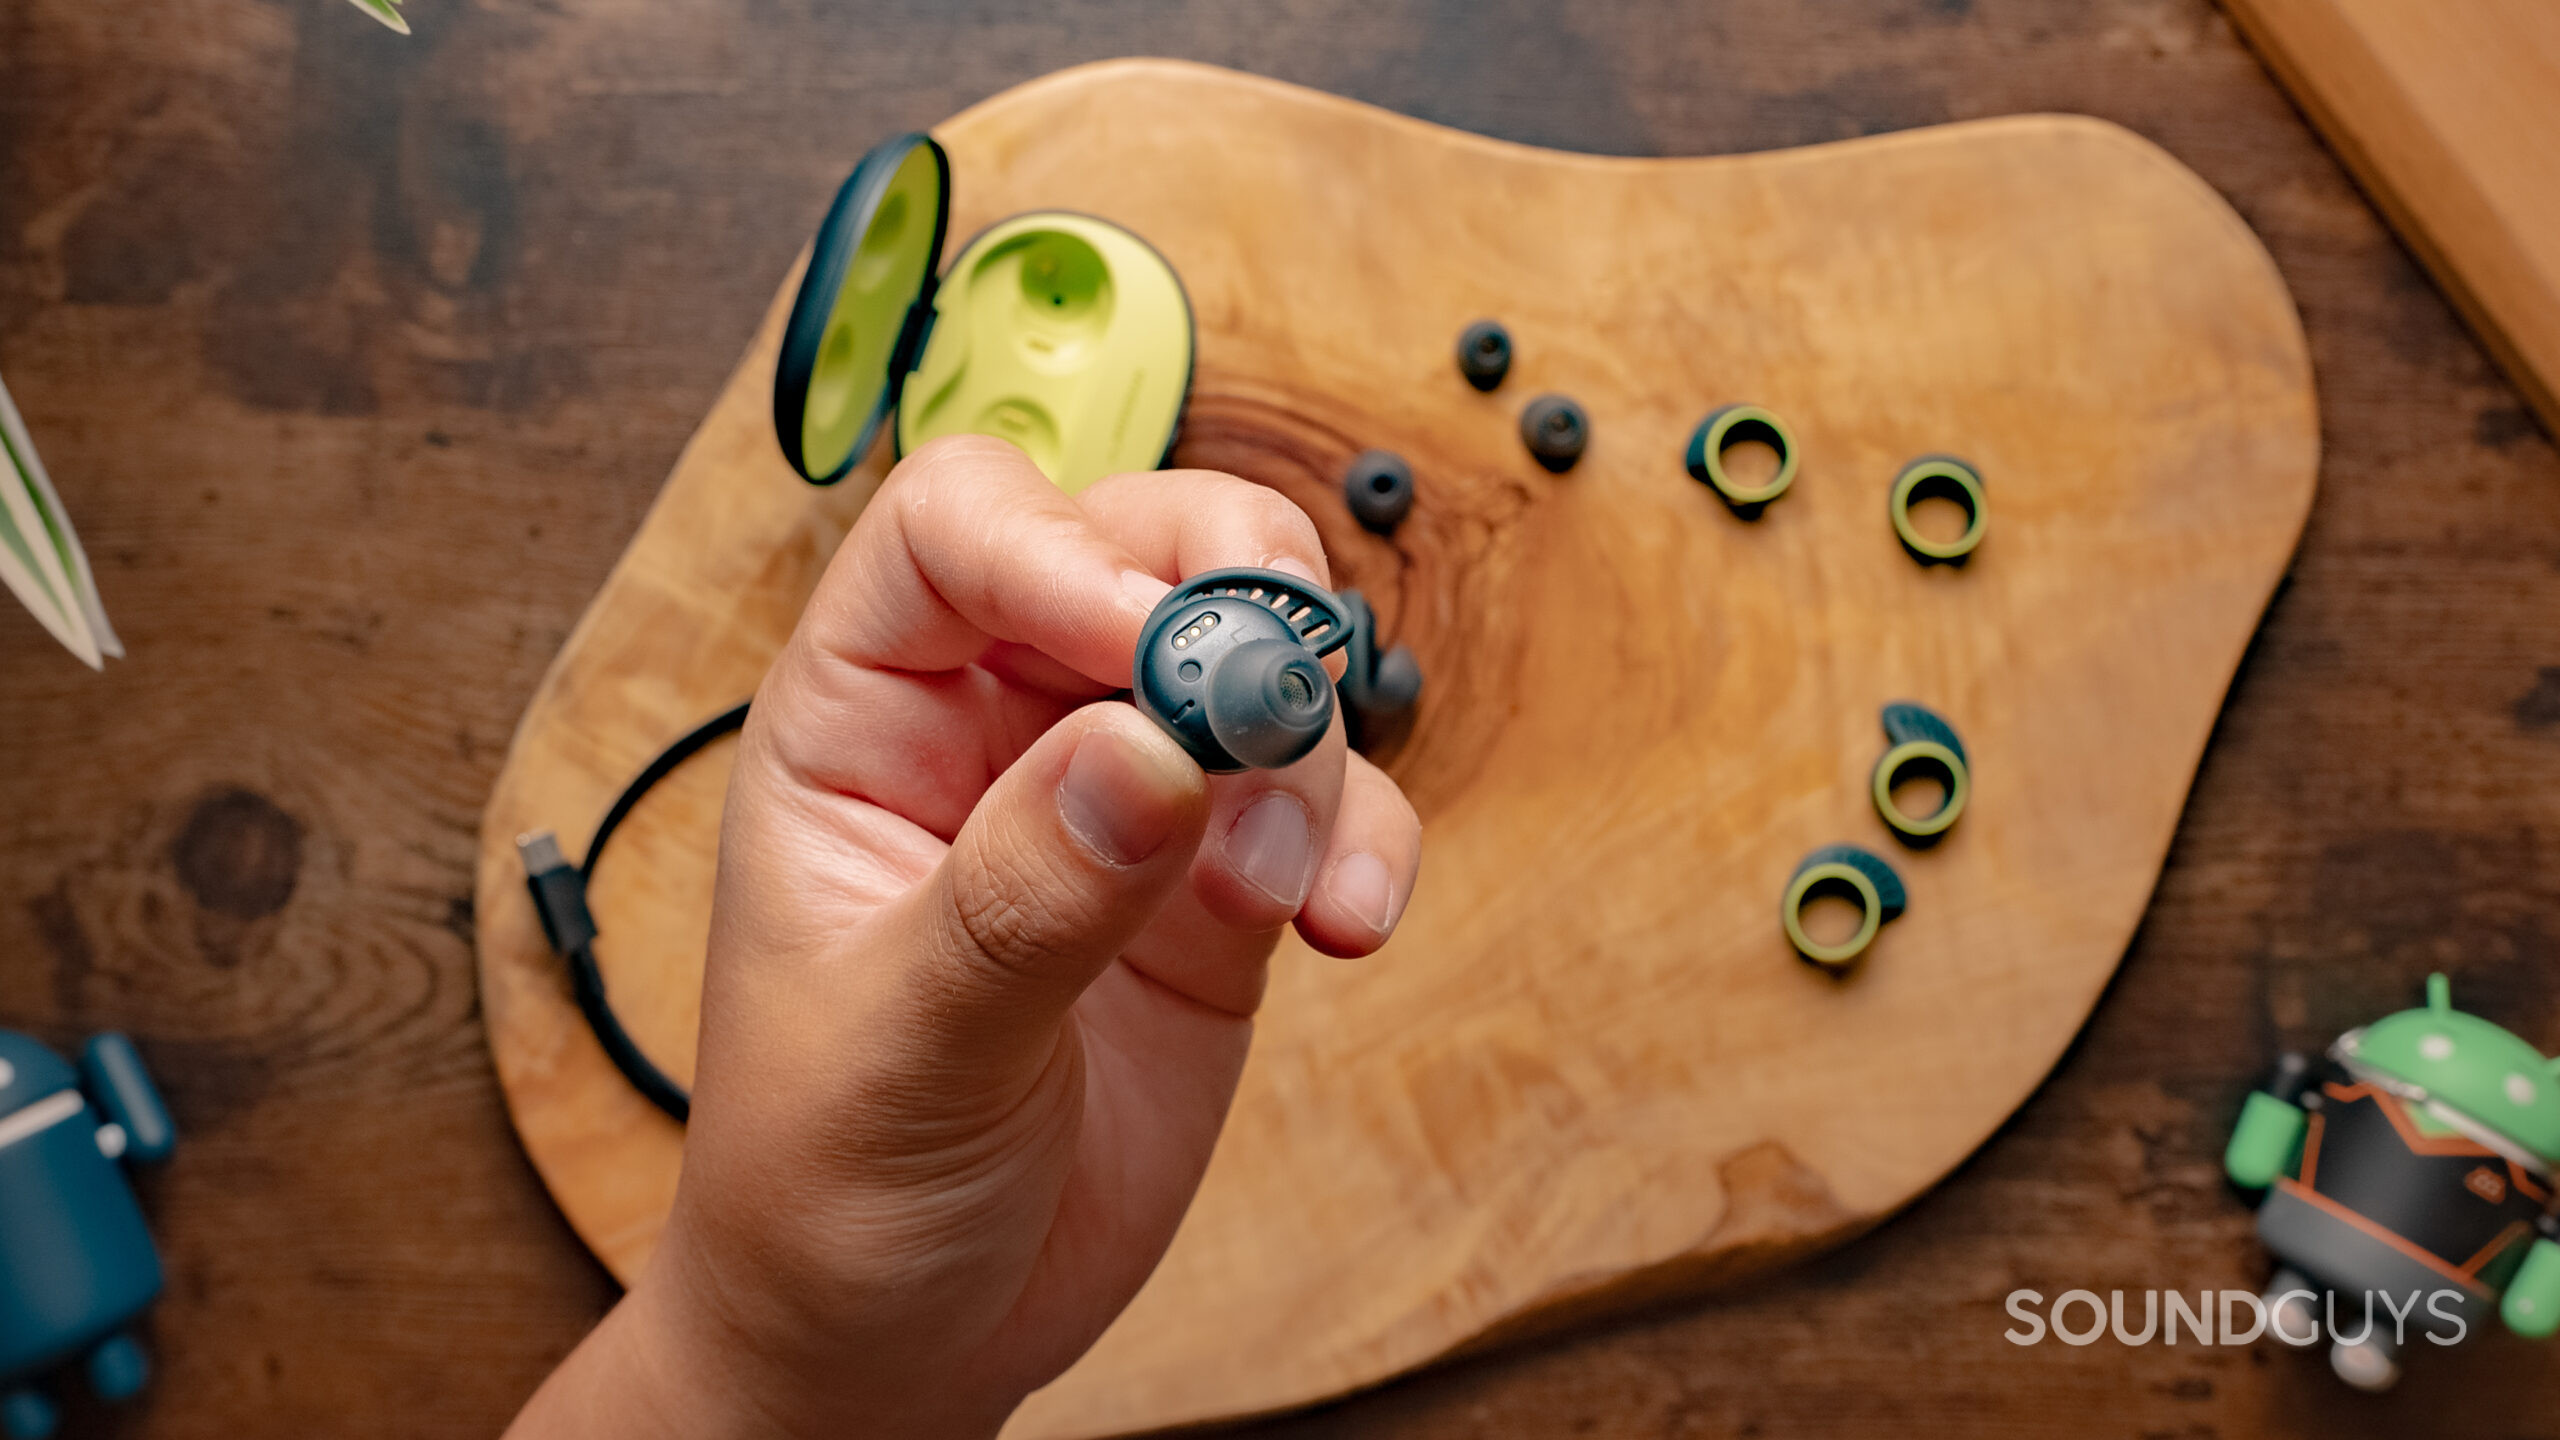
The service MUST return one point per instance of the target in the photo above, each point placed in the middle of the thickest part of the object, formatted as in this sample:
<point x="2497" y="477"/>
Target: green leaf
<point x="383" y="11"/>
<point x="14" y="474"/>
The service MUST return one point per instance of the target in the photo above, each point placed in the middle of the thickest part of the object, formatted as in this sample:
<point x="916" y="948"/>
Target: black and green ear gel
<point x="1731" y="425"/>
<point x="1920" y="743"/>
<point x="1854" y="874"/>
<point x="1939" y="477"/>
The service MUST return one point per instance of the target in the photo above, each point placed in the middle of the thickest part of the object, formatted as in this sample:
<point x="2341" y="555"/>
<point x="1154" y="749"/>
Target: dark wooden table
<point x="358" y="359"/>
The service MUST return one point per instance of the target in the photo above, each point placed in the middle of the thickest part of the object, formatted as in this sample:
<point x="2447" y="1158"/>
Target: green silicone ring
<point x="1800" y="889"/>
<point x="1935" y="471"/>
<point x="1890" y="768"/>
<point x="1707" y="446"/>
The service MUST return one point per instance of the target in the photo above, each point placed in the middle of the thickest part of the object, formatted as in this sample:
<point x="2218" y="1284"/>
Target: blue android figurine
<point x="76" y="1263"/>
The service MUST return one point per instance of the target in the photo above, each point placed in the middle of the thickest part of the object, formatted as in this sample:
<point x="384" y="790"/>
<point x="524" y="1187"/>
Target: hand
<point x="985" y="951"/>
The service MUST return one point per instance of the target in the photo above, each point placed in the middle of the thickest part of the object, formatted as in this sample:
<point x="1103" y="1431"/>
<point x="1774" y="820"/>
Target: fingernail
<point x="1361" y="885"/>
<point x="1143" y="590"/>
<point x="1271" y="846"/>
<point x="1123" y="801"/>
<point x="1292" y="565"/>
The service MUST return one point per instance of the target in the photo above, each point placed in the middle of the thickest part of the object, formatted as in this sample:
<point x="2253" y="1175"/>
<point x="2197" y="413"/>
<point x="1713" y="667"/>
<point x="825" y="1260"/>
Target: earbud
<point x="1228" y="666"/>
<point x="1378" y="686"/>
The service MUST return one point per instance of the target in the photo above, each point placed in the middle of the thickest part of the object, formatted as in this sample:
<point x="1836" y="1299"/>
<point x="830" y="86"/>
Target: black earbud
<point x="1228" y="666"/>
<point x="1378" y="687"/>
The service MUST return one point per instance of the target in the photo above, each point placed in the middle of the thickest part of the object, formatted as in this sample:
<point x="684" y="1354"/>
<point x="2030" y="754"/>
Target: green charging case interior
<point x="1063" y="333"/>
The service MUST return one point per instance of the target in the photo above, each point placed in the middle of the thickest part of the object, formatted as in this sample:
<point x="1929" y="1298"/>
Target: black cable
<point x="560" y="899"/>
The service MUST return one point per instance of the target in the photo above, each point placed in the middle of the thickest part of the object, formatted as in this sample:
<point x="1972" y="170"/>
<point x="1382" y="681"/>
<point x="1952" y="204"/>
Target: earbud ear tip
<point x="1269" y="703"/>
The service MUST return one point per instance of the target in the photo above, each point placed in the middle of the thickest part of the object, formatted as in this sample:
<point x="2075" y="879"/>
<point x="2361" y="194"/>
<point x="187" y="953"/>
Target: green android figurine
<point x="2408" y="1187"/>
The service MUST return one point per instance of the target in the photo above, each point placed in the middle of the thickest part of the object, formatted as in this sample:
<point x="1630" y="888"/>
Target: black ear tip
<point x="1379" y="490"/>
<point x="1555" y="429"/>
<point x="1484" y="354"/>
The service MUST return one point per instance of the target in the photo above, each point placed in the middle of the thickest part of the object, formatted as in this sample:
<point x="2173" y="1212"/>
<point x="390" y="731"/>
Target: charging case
<point x="1063" y="333"/>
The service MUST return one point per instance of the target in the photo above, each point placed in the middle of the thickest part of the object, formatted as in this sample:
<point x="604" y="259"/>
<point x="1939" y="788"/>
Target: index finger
<point x="1180" y="522"/>
<point x="972" y="606"/>
<point x="968" y="544"/>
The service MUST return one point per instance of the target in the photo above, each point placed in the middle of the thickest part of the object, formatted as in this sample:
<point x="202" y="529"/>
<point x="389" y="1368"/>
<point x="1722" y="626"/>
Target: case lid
<point x="864" y="306"/>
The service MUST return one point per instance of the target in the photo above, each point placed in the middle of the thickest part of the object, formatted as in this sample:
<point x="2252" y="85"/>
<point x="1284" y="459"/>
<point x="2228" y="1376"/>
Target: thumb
<point x="1064" y="860"/>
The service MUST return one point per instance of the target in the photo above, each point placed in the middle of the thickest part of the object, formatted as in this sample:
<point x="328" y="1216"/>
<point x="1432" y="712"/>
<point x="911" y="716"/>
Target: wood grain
<point x="1588" y="1071"/>
<point x="360" y="360"/>
<point x="2450" y="116"/>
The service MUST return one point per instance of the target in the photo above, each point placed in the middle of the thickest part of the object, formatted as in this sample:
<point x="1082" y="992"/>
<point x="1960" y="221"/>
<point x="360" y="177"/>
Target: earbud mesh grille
<point x="1295" y="691"/>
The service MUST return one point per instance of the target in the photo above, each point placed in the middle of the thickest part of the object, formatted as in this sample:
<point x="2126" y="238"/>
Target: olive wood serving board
<point x="1589" y="1071"/>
